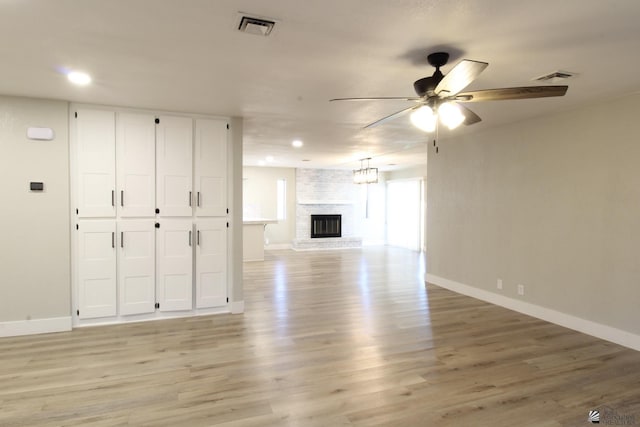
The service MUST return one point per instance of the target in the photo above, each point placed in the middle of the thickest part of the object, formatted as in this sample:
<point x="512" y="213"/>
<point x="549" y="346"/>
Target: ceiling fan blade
<point x="524" y="92"/>
<point x="469" y="116"/>
<point x="383" y="98"/>
<point x="391" y="117"/>
<point x="459" y="77"/>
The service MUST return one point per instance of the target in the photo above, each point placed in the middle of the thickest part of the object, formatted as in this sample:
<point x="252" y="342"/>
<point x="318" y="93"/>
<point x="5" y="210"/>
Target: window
<point x="282" y="199"/>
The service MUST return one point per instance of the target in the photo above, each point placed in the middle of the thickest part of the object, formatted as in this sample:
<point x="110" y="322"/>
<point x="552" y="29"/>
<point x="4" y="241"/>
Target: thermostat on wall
<point x="40" y="134"/>
<point x="36" y="186"/>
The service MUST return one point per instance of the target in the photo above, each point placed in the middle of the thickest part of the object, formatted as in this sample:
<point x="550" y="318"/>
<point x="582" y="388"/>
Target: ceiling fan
<point x="439" y="95"/>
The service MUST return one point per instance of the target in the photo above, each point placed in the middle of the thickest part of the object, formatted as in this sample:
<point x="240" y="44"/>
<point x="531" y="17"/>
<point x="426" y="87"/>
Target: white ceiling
<point x="186" y="55"/>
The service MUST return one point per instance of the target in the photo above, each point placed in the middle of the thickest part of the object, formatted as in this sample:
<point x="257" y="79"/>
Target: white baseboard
<point x="380" y="242"/>
<point x="237" y="307"/>
<point x="588" y="327"/>
<point x="277" y="246"/>
<point x="36" y="326"/>
<point x="321" y="249"/>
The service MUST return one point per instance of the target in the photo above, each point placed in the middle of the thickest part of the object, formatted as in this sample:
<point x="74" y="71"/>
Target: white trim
<point x="150" y="317"/>
<point x="237" y="307"/>
<point x="36" y="326"/>
<point x="119" y="109"/>
<point x="588" y="327"/>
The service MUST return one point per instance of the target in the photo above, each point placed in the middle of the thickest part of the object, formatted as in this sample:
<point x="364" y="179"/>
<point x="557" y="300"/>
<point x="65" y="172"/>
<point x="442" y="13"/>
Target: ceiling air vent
<point x="556" y="76"/>
<point x="256" y="26"/>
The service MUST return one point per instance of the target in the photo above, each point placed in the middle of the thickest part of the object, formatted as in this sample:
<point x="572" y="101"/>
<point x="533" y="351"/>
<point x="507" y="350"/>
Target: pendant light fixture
<point x="366" y="175"/>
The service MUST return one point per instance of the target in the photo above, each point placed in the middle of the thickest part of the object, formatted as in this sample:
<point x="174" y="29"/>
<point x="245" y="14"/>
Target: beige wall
<point x="260" y="200"/>
<point x="34" y="255"/>
<point x="409" y="173"/>
<point x="551" y="203"/>
<point x="235" y="196"/>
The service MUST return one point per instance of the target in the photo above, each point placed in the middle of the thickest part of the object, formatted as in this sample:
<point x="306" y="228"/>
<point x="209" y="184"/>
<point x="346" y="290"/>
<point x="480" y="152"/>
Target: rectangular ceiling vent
<point x="556" y="76"/>
<point x="256" y="26"/>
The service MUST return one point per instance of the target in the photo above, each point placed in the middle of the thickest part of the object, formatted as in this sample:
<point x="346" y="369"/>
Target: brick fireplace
<point x="325" y="193"/>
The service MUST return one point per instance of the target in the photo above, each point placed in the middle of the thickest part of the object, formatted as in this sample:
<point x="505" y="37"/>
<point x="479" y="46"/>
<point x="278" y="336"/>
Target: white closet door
<point x="135" y="152"/>
<point x="96" y="265"/>
<point x="136" y="266"/>
<point x="175" y="264"/>
<point x="211" y="263"/>
<point x="174" y="159"/>
<point x="211" y="167"/>
<point x="96" y="168"/>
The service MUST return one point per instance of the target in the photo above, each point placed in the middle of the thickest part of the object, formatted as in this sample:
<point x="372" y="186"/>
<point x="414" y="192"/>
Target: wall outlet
<point x="520" y="289"/>
<point x="499" y="284"/>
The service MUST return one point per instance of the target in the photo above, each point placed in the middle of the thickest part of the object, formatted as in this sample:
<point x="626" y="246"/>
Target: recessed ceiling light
<point x="297" y="143"/>
<point x="79" y="78"/>
<point x="269" y="158"/>
<point x="261" y="163"/>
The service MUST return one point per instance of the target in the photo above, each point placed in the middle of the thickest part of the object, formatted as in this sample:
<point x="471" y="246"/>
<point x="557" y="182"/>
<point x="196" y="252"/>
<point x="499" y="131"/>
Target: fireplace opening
<point x="326" y="226"/>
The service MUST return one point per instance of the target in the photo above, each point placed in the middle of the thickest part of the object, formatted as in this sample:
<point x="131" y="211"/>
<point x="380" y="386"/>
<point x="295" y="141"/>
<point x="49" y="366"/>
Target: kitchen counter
<point x="253" y="238"/>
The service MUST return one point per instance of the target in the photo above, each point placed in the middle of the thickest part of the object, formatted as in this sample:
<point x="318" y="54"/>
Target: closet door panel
<point x="96" y="163"/>
<point x="175" y="264"/>
<point x="211" y="167"/>
<point x="96" y="263"/>
<point x="135" y="153"/>
<point x="174" y="156"/>
<point x="211" y="263"/>
<point x="136" y="266"/>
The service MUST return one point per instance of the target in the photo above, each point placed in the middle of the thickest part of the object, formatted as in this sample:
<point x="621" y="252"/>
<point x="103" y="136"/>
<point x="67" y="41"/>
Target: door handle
<point x="122" y="198"/>
<point x="113" y="197"/>
<point x="198" y="199"/>
<point x="122" y="239"/>
<point x="113" y="239"/>
<point x="190" y="198"/>
<point x="189" y="237"/>
<point x="198" y="237"/>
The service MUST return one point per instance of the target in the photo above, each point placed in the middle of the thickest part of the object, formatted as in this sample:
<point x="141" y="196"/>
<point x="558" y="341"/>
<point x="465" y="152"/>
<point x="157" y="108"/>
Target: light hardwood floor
<point x="329" y="338"/>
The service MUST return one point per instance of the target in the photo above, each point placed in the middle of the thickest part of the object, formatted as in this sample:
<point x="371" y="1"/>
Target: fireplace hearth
<point x="326" y="226"/>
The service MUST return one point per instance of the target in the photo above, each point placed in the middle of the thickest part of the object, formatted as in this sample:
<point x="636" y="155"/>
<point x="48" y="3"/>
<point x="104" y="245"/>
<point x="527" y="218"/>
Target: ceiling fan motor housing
<point x="427" y="85"/>
<point x="438" y="59"/>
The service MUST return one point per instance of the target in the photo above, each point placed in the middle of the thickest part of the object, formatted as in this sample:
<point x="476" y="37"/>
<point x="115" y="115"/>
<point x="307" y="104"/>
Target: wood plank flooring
<point x="332" y="338"/>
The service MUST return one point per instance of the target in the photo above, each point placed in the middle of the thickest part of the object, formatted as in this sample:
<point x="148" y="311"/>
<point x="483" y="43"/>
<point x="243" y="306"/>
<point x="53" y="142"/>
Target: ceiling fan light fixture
<point x="450" y="115"/>
<point x="424" y="119"/>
